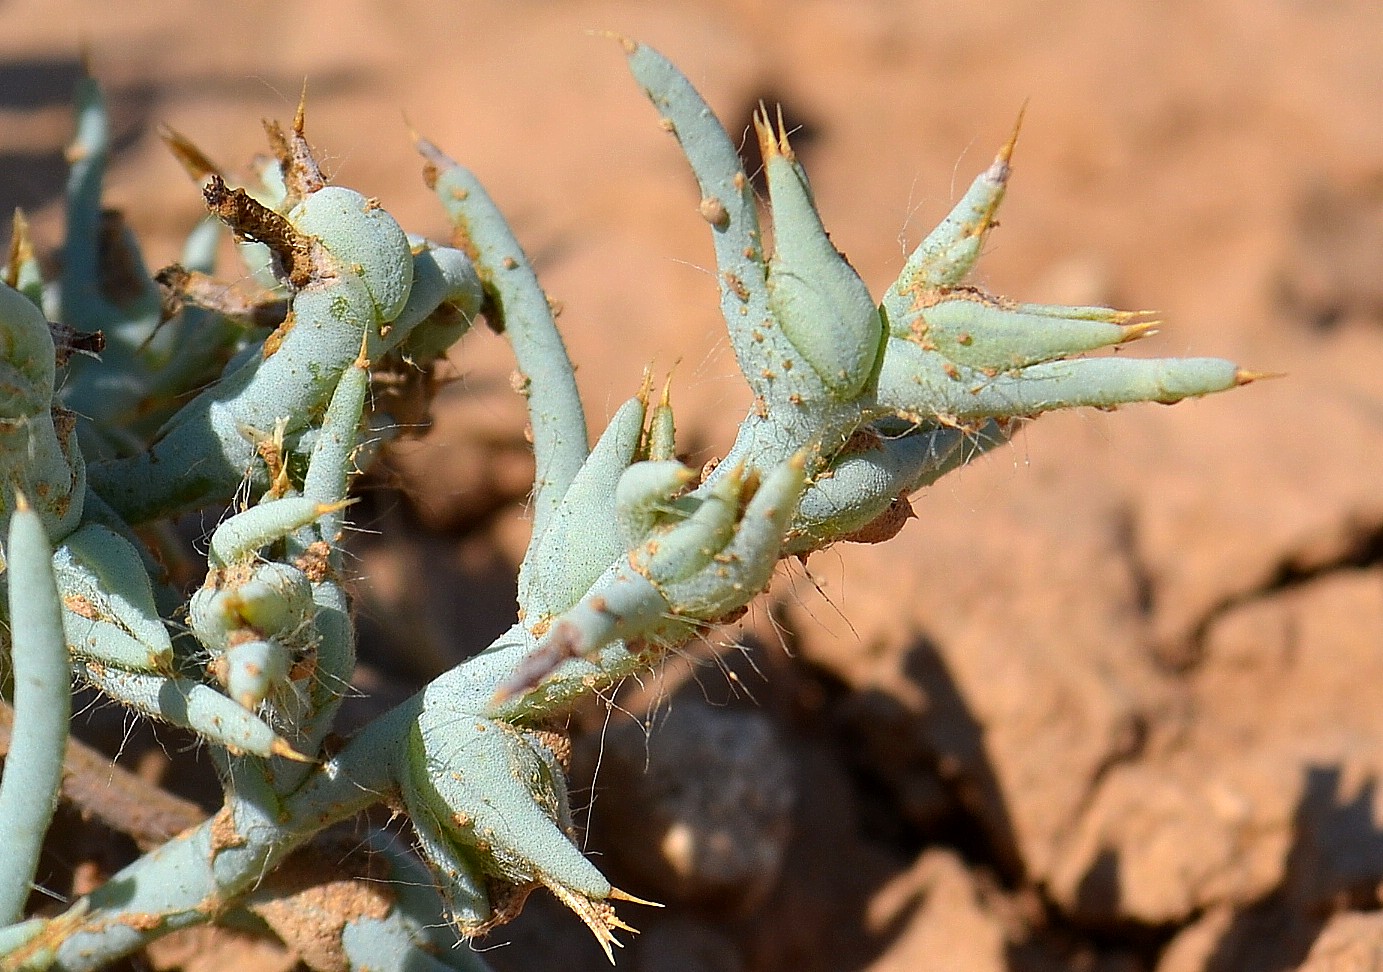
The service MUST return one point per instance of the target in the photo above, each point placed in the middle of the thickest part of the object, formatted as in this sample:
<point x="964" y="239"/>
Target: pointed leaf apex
<point x="999" y="171"/>
<point x="302" y="175"/>
<point x="784" y="146"/>
<point x="773" y="137"/>
<point x="300" y="116"/>
<point x="21" y="248"/>
<point x="1005" y="156"/>
<point x="1242" y="377"/>
<point x="281" y="748"/>
<point x="628" y="43"/>
<point x="429" y="151"/>
<point x="1139" y="329"/>
<point x="617" y="895"/>
<point x="322" y="509"/>
<point x="193" y="160"/>
<point x="768" y="139"/>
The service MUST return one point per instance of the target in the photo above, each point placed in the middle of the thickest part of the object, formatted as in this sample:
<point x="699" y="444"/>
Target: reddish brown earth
<point x="1115" y="701"/>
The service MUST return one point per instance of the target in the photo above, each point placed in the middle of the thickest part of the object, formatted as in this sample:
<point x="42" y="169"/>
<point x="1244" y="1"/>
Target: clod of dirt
<point x="1011" y="661"/>
<point x="1274" y="787"/>
<point x="939" y="906"/>
<point x="210" y="948"/>
<point x="1349" y="943"/>
<point x="701" y="806"/>
<point x="1164" y="840"/>
<point x="1194" y="946"/>
<point x="474" y="460"/>
<point x="1331" y="273"/>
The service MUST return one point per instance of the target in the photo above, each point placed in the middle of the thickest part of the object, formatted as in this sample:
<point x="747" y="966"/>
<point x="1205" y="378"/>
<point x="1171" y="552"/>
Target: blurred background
<point x="1112" y="702"/>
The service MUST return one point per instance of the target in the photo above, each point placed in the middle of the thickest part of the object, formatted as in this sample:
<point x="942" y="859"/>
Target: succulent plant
<point x="857" y="404"/>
